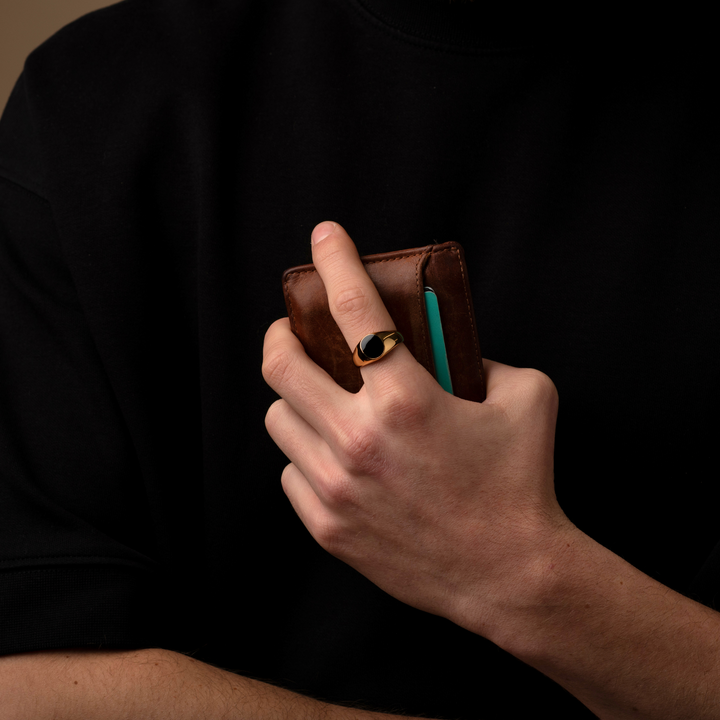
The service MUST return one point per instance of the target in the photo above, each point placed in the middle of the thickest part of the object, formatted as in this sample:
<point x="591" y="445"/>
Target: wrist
<point x="512" y="611"/>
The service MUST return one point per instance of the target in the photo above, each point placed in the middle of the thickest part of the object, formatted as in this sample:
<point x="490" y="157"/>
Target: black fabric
<point x="91" y="604"/>
<point x="706" y="585"/>
<point x="161" y="164"/>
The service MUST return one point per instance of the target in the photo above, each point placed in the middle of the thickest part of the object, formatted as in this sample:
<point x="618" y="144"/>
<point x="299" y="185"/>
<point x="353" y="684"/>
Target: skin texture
<point x="450" y="507"/>
<point x="151" y="684"/>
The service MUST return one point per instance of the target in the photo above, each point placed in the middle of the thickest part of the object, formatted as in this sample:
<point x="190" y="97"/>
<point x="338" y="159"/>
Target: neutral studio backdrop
<point x="25" y="24"/>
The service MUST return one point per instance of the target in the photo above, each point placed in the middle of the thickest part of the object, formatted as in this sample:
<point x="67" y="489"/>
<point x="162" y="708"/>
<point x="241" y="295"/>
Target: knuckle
<point x="278" y="366"/>
<point x="351" y="301"/>
<point x="323" y="522"/>
<point x="544" y="388"/>
<point x="328" y="533"/>
<point x="539" y="390"/>
<point x="361" y="449"/>
<point x="401" y="406"/>
<point x="340" y="493"/>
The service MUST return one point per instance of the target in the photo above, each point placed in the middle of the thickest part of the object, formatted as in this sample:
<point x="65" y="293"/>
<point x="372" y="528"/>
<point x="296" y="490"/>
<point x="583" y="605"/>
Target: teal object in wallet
<point x="437" y="341"/>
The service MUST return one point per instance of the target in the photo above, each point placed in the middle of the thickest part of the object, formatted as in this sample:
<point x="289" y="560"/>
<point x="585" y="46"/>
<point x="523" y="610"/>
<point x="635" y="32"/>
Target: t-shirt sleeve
<point x="76" y="534"/>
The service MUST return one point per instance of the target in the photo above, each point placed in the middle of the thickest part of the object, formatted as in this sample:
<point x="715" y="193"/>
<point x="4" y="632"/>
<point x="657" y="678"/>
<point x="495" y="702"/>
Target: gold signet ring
<point x="375" y="346"/>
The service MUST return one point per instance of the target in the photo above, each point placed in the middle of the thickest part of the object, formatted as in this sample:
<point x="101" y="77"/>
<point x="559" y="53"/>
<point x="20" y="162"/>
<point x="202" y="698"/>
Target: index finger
<point x="354" y="301"/>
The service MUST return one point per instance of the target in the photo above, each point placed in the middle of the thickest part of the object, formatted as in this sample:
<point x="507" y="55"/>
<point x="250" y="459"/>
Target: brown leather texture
<point x="400" y="278"/>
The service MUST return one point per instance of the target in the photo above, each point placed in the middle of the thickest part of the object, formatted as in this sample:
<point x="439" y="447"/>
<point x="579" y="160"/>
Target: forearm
<point x="158" y="684"/>
<point x="622" y="643"/>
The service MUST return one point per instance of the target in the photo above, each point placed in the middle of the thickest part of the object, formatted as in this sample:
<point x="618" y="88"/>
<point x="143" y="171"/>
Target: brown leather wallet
<point x="400" y="278"/>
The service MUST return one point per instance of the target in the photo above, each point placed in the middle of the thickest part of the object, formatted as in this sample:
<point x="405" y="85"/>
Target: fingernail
<point x="322" y="231"/>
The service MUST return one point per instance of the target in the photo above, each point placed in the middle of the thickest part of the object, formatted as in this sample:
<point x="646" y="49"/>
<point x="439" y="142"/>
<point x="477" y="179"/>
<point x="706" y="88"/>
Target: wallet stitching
<point x="420" y="307"/>
<point x="469" y="315"/>
<point x="290" y="303"/>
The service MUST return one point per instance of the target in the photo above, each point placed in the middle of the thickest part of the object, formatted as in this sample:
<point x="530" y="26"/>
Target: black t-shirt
<point x="163" y="161"/>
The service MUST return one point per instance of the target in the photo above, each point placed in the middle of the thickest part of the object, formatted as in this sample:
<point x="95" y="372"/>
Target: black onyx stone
<point x="372" y="347"/>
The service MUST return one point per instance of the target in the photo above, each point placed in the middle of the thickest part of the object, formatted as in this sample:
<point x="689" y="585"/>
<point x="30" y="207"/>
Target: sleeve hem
<point x="83" y="606"/>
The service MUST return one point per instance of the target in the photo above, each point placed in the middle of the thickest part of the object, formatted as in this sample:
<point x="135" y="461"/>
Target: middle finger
<point x="354" y="301"/>
<point x="305" y="386"/>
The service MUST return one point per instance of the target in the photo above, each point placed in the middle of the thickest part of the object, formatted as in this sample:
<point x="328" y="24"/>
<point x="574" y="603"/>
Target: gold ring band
<point x="375" y="346"/>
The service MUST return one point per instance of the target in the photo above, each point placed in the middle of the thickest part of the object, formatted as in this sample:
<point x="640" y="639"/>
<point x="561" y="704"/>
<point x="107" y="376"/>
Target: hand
<point x="446" y="504"/>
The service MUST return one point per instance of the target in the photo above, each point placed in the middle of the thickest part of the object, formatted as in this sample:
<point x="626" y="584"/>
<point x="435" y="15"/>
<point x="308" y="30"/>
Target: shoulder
<point x="134" y="42"/>
<point x="118" y="78"/>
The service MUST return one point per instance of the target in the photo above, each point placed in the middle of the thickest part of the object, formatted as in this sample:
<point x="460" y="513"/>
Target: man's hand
<point x="439" y="501"/>
<point x="449" y="506"/>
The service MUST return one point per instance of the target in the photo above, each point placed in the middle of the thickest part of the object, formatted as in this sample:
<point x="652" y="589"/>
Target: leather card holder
<point x="400" y="278"/>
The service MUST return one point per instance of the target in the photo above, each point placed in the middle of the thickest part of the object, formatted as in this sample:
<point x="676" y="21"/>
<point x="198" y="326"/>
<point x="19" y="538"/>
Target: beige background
<point x="24" y="24"/>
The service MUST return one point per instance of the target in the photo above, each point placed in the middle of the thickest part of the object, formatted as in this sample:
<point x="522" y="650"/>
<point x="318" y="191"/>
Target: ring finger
<point x="300" y="443"/>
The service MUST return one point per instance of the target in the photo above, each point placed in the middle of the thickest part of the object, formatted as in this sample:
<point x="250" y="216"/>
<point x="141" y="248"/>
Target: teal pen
<point x="437" y="340"/>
